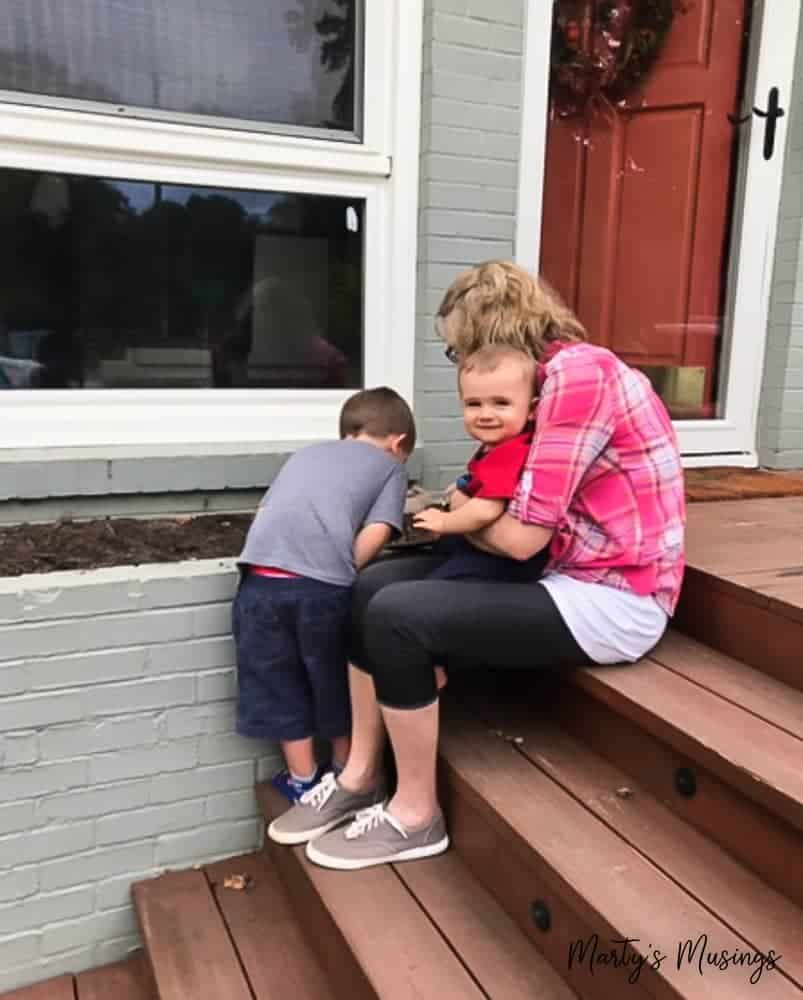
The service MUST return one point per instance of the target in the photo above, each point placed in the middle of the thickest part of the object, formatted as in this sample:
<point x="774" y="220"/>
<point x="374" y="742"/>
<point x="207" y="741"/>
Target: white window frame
<point x="382" y="169"/>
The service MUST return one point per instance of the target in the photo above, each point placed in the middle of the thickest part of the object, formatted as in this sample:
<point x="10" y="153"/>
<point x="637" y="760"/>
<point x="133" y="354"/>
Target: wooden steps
<point x="534" y="844"/>
<point x="59" y="988"/>
<point x="716" y="739"/>
<point x="126" y="980"/>
<point x="748" y="752"/>
<point x="205" y="941"/>
<point x="762" y="917"/>
<point x="422" y="930"/>
<point x="758" y="628"/>
<point x="277" y="957"/>
<point x="189" y="951"/>
<point x="743" y="589"/>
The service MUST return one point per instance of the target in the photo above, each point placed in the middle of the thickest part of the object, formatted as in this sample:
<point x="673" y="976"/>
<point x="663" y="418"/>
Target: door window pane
<point x="126" y="284"/>
<point x="283" y="62"/>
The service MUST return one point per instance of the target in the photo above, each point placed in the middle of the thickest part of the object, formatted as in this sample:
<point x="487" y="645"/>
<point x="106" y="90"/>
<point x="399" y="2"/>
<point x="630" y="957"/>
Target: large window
<point x="265" y="62"/>
<point x="125" y="284"/>
<point x="189" y="250"/>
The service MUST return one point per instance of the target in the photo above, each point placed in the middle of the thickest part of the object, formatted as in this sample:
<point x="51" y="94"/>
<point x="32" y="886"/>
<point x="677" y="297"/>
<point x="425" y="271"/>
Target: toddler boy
<point x="331" y="509"/>
<point x="497" y="390"/>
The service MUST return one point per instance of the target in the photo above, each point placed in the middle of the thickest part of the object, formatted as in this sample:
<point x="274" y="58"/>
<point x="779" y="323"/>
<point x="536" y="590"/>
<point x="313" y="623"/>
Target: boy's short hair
<point x="378" y="413"/>
<point x="488" y="359"/>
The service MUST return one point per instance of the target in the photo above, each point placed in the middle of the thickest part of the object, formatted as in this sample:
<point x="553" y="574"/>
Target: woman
<point x="601" y="496"/>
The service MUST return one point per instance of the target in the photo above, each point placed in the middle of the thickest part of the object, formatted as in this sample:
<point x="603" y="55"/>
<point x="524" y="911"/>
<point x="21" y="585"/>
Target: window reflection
<point x="288" y="62"/>
<point x="126" y="284"/>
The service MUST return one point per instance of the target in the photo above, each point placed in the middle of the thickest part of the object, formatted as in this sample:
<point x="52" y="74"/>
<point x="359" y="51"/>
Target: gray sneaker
<point x="377" y="838"/>
<point x="320" y="809"/>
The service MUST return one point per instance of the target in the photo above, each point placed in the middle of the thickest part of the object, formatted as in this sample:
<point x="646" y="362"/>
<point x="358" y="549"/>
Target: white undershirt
<point x="609" y="625"/>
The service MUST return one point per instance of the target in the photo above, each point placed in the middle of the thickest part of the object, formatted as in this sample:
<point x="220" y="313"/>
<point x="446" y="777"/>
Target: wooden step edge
<point x="129" y="979"/>
<point x="532" y="845"/>
<point x="752" y="690"/>
<point x="375" y="940"/>
<point x="498" y="955"/>
<point x="333" y="952"/>
<point x="188" y="946"/>
<point x="55" y="988"/>
<point x="278" y="958"/>
<point x="744" y="584"/>
<point x="758" y="759"/>
<point x="747" y="830"/>
<point x="742" y="623"/>
<point x="727" y="888"/>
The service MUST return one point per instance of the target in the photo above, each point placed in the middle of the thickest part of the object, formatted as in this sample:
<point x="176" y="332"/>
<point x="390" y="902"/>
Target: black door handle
<point x="771" y="115"/>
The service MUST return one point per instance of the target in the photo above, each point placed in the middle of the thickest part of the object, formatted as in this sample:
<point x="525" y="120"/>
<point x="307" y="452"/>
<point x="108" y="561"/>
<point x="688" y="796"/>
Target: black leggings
<point x="404" y="624"/>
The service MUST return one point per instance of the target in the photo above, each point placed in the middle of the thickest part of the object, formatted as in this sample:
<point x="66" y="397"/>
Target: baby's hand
<point x="430" y="519"/>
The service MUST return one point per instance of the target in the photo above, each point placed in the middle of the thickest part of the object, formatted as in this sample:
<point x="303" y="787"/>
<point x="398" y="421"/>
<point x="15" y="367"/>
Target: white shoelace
<point x="319" y="795"/>
<point x="371" y="818"/>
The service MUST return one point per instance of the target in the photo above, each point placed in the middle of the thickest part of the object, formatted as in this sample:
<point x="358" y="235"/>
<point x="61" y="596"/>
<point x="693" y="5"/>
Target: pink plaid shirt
<point x="604" y="472"/>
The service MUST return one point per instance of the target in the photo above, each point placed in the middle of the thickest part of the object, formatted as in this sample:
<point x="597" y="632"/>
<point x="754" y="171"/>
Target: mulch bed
<point x="124" y="541"/>
<point x="81" y="545"/>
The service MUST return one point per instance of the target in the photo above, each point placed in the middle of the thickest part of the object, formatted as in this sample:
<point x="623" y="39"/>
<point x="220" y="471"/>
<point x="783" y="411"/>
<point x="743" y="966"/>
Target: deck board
<point x="189" y="948"/>
<point x="755" y="692"/>
<point x="750" y="542"/>
<point x="60" y="988"/>
<point x="129" y="979"/>
<point x="278" y="959"/>
<point x="602" y="879"/>
<point x="759" y="759"/>
<point x="746" y="830"/>
<point x="754" y="911"/>
<point x="489" y="943"/>
<point x="397" y="952"/>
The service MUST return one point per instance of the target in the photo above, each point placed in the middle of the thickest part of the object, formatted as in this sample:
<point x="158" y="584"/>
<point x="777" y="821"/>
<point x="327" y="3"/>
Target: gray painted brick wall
<point x="118" y="753"/>
<point x="781" y="409"/>
<point x="71" y="472"/>
<point x="469" y="159"/>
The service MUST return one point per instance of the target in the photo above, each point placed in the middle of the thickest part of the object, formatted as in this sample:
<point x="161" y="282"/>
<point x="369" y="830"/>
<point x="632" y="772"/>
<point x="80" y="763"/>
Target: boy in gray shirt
<point x="330" y="511"/>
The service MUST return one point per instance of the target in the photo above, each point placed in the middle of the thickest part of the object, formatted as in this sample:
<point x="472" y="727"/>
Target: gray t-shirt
<point x="323" y="496"/>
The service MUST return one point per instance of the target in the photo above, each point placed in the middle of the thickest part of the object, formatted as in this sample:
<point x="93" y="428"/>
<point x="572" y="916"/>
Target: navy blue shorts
<point x="291" y="636"/>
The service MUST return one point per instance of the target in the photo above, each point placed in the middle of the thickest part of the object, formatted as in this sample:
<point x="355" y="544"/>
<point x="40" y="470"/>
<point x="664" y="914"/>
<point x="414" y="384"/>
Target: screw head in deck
<point x="540" y="915"/>
<point x="685" y="782"/>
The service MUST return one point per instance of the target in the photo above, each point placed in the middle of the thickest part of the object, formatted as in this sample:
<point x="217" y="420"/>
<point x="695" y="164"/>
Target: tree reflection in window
<point x="107" y="283"/>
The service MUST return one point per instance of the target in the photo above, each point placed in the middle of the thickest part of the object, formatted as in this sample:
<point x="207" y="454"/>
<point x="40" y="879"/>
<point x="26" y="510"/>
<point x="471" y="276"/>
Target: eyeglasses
<point x="452" y="355"/>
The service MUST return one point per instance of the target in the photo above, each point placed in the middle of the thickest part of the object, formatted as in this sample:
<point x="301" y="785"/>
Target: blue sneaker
<point x="291" y="788"/>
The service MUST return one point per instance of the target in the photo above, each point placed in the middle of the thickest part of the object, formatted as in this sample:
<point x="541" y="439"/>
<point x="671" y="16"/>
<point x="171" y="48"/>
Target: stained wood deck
<point x="743" y="592"/>
<point x="755" y="544"/>
<point x="129" y="979"/>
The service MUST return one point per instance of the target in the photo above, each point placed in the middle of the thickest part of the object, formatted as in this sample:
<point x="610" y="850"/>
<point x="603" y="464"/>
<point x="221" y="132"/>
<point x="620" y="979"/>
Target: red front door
<point x="638" y="192"/>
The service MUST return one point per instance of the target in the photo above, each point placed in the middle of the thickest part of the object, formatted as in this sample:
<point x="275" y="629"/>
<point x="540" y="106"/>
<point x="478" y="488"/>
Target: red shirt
<point x="495" y="473"/>
<point x="604" y="472"/>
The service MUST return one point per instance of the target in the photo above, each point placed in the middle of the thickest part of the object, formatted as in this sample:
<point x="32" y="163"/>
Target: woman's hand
<point x="430" y="519"/>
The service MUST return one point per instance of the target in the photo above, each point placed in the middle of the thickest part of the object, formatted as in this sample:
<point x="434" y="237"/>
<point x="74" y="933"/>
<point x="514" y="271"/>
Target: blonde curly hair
<point x="500" y="303"/>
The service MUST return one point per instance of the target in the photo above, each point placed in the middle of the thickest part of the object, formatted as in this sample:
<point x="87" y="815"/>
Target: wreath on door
<point x="603" y="49"/>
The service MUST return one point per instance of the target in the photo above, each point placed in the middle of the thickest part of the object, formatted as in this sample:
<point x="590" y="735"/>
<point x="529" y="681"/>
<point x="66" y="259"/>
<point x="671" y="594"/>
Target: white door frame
<point x="731" y="439"/>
